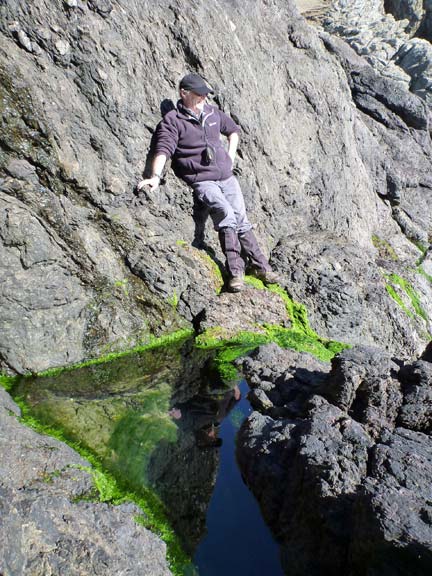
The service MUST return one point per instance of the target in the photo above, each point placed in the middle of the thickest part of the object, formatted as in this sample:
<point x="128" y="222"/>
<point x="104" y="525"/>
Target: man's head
<point x="193" y="91"/>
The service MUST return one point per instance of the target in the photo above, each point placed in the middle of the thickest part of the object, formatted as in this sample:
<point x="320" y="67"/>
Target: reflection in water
<point x="156" y="420"/>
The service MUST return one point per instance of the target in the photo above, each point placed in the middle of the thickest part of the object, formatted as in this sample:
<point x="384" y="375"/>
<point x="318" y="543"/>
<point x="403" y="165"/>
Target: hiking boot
<point x="268" y="276"/>
<point x="236" y="284"/>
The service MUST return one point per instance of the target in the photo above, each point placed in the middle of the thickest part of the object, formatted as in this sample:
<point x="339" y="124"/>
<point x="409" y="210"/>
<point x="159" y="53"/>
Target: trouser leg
<point x="252" y="250"/>
<point x="231" y="248"/>
<point x="234" y="196"/>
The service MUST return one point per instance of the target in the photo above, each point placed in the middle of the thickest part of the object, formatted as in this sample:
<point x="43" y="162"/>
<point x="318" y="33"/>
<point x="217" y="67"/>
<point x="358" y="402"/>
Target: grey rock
<point x="363" y="381"/>
<point x="346" y="293"/>
<point x="24" y="40"/>
<point x="248" y="311"/>
<point x="416" y="412"/>
<point x="82" y="116"/>
<point x="392" y="527"/>
<point x="42" y="481"/>
<point x="343" y="489"/>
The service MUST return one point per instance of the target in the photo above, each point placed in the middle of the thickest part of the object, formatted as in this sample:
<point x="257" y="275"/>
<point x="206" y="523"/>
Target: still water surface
<point x="150" y="418"/>
<point x="238" y="542"/>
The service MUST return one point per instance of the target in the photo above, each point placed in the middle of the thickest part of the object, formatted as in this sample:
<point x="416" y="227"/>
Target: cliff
<point x="334" y="162"/>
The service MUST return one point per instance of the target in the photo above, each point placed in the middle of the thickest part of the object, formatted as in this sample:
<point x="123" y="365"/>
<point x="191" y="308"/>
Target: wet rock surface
<point x="46" y="524"/>
<point x="343" y="475"/>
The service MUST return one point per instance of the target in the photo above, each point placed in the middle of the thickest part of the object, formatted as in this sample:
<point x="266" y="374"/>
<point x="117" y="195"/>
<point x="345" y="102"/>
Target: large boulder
<point x="343" y="489"/>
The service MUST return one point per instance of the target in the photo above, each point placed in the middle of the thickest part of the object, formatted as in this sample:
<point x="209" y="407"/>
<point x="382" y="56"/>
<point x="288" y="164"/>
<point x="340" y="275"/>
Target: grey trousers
<point x="225" y="202"/>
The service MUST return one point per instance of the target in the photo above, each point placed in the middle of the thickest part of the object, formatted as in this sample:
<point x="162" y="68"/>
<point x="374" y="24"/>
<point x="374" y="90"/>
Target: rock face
<point x="47" y="527"/>
<point x="334" y="162"/>
<point x="339" y="461"/>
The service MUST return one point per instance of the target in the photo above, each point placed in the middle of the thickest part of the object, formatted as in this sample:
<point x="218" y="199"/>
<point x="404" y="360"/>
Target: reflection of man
<point x="205" y="413"/>
<point x="190" y="134"/>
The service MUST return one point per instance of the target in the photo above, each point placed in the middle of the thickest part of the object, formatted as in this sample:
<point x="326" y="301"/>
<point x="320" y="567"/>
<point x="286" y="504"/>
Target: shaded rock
<point x="348" y="491"/>
<point x="416" y="412"/>
<point x="363" y="382"/>
<point x="392" y="526"/>
<point x="427" y="354"/>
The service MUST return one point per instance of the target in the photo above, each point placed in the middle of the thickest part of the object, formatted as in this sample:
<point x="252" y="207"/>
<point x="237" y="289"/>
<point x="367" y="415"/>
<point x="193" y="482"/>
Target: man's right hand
<point x="152" y="183"/>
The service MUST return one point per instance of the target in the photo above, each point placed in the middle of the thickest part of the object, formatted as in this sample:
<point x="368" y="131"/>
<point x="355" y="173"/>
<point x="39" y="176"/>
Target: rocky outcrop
<point x="48" y="525"/>
<point x="394" y="36"/>
<point x="328" y="146"/>
<point x="339" y="462"/>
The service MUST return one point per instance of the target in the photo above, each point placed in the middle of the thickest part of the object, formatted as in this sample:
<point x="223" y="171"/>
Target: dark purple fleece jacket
<point x="185" y="139"/>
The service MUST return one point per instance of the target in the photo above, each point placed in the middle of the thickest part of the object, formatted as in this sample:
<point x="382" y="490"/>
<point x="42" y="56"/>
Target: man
<point x="190" y="134"/>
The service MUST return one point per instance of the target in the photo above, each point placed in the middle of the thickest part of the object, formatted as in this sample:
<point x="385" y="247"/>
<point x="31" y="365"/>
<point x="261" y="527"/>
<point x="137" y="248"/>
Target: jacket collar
<point x="182" y="113"/>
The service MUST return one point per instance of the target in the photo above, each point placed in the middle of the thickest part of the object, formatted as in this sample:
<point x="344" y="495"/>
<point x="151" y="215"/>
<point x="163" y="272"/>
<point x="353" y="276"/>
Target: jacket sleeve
<point x="166" y="137"/>
<point x="227" y="124"/>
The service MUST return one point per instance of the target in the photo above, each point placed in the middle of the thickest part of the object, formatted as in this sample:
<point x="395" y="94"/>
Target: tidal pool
<point x="161" y="419"/>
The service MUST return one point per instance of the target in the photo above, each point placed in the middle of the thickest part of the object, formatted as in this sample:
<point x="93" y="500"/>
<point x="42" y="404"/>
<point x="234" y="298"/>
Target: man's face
<point x="191" y="100"/>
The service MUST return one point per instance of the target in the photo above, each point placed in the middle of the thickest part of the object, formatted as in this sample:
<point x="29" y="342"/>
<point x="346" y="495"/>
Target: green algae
<point x="414" y="298"/>
<point x="154" y="343"/>
<point x="113" y="490"/>
<point x="385" y="249"/>
<point x="300" y="337"/>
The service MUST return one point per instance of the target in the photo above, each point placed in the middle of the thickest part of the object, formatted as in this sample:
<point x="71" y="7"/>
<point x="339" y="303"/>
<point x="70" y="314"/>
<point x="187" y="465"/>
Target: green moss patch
<point x="385" y="250"/>
<point x="112" y="490"/>
<point x="414" y="298"/>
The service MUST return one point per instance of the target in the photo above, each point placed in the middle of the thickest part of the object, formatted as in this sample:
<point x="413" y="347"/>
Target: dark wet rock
<point x="416" y="412"/>
<point x="392" y="530"/>
<point x="342" y="488"/>
<point x="282" y="380"/>
<point x="42" y="486"/>
<point x="363" y="382"/>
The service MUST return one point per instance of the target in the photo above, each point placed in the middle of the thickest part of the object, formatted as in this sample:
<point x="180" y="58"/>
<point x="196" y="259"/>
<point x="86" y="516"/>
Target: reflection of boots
<point x="207" y="438"/>
<point x="231" y="248"/>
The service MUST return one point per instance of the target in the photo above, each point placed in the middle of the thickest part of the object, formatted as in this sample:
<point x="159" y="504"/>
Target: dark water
<point x="151" y="418"/>
<point x="238" y="543"/>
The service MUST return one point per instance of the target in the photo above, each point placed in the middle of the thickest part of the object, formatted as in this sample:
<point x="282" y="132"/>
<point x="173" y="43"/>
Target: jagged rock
<point x="338" y="498"/>
<point x="363" y="382"/>
<point x="286" y="378"/>
<point x="392" y="525"/>
<point x="416" y="412"/>
<point x="42" y="486"/>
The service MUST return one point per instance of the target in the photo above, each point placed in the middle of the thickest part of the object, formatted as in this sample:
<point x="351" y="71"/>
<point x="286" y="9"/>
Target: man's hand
<point x="152" y="183"/>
